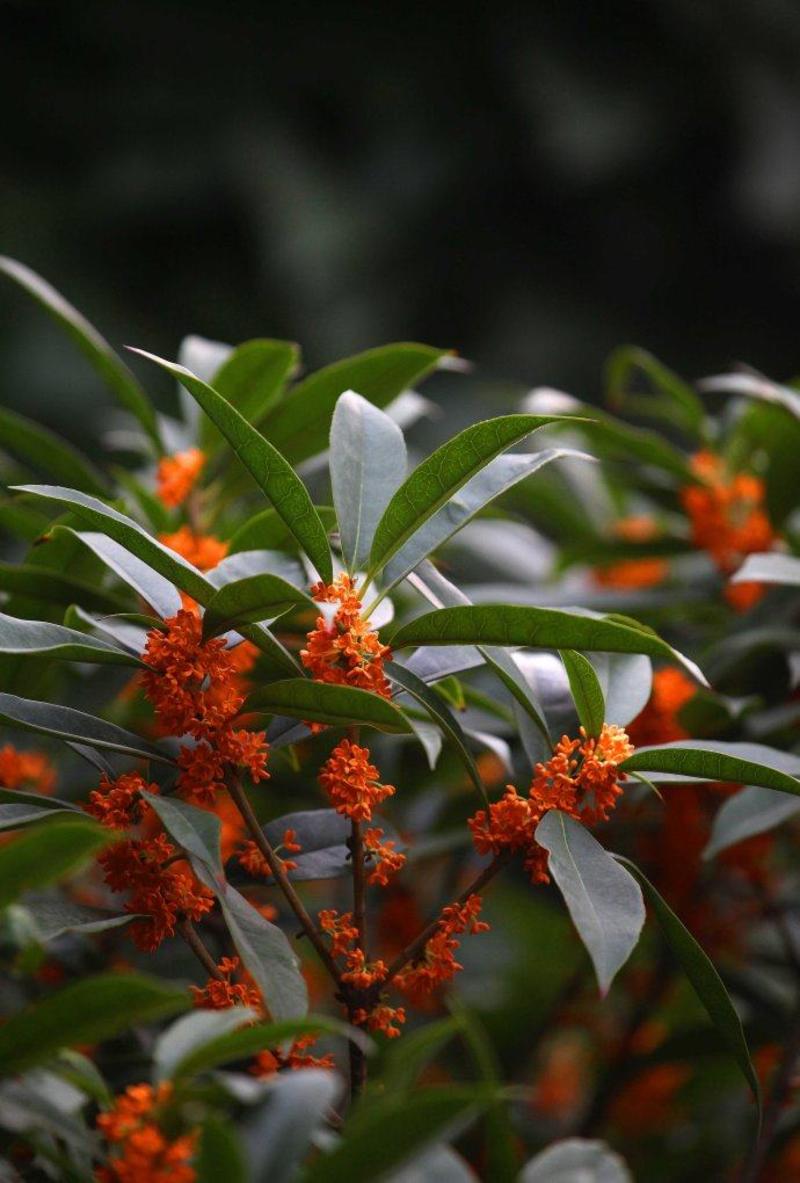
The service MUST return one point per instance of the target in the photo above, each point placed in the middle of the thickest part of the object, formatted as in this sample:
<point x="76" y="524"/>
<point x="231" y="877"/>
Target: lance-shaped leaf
<point x="586" y="691"/>
<point x="47" y="718"/>
<point x="576" y="1160"/>
<point x="513" y="625"/>
<point x="604" y="901"/>
<point x="155" y="589"/>
<point x="192" y="1032"/>
<point x="166" y="562"/>
<point x="48" y="453"/>
<point x="713" y="760"/>
<point x="321" y="702"/>
<point x="300" y="424"/>
<point x="263" y="948"/>
<point x="52" y="850"/>
<point x="268" y="531"/>
<point x="769" y="568"/>
<point x="443" y="473"/>
<point x="18" y="809"/>
<point x="52" y="587"/>
<point x="669" y="398"/>
<point x="500" y="474"/>
<point x="92" y="345"/>
<point x="55" y="641"/>
<point x="280" y="1135"/>
<point x="752" y="811"/>
<point x="368" y="463"/>
<point x="86" y="1012"/>
<point x="251" y="377"/>
<point x="246" y="601"/>
<point x="441" y="714"/>
<point x="219" y="1155"/>
<point x="704" y="978"/>
<point x="52" y="914"/>
<point x="271" y="471"/>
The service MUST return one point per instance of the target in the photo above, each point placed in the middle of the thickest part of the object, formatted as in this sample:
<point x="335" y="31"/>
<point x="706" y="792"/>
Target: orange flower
<point x="437" y="964"/>
<point x="190" y="681"/>
<point x="31" y="770"/>
<point x="340" y="929"/>
<point x="201" y="550"/>
<point x="345" y="651"/>
<point x="352" y="782"/>
<point x="159" y="894"/>
<point x="388" y="861"/>
<point x="658" y="723"/>
<point x="266" y="1063"/>
<point x="256" y="865"/>
<point x="649" y="1101"/>
<point x="145" y="1155"/>
<point x="219" y="994"/>
<point x="561" y="1084"/>
<point x="361" y="973"/>
<point x="117" y="803"/>
<point x="202" y="773"/>
<point x="176" y="475"/>
<point x="632" y="573"/>
<point x="382" y="1018"/>
<point x="728" y="518"/>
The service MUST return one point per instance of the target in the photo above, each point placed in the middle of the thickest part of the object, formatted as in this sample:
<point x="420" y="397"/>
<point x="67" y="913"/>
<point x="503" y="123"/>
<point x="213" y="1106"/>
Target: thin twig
<point x="195" y="943"/>
<point x="358" y="1062"/>
<point x="239" y="797"/>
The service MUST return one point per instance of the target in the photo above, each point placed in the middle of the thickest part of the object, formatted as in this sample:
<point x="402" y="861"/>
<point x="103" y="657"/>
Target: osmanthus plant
<point x="256" y="646"/>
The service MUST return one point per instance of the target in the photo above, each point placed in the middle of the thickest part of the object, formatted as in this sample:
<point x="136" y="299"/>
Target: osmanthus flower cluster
<point x="26" y="770"/>
<point x="140" y="1150"/>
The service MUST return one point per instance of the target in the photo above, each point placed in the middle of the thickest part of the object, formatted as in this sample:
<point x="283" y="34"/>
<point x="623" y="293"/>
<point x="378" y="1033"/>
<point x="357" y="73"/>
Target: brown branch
<point x="358" y="1062"/>
<point x="414" y="950"/>
<point x="239" y="797"/>
<point x="195" y="943"/>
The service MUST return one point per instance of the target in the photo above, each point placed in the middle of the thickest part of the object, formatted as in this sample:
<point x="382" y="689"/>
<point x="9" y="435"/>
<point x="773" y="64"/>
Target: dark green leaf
<point x="16" y="816"/>
<point x="65" y="723"/>
<point x="192" y="1032"/>
<point x="94" y="347"/>
<point x="48" y="453"/>
<point x="51" y="587"/>
<point x="156" y="590"/>
<point x="86" y="1012"/>
<point x="752" y="811"/>
<point x="273" y="474"/>
<point x="280" y="1136"/>
<point x="440" y="713"/>
<point x="435" y="480"/>
<point x="220" y="1156"/>
<point x="252" y="378"/>
<point x="713" y="760"/>
<point x="268" y="531"/>
<point x="299" y="426"/>
<point x="246" y="601"/>
<point x="57" y="642"/>
<point x="54" y="914"/>
<point x="604" y="901"/>
<point x="669" y="398"/>
<point x="539" y="628"/>
<point x="704" y="978"/>
<point x="47" y="853"/>
<point x="321" y="702"/>
<point x="586" y="691"/>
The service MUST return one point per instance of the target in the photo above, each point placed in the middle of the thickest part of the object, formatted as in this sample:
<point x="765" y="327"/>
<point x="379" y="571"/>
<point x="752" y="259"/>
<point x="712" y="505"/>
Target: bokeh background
<point x="530" y="184"/>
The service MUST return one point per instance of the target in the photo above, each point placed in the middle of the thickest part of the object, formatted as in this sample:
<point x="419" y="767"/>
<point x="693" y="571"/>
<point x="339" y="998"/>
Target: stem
<point x="413" y="951"/>
<point x="195" y="943"/>
<point x="780" y="1088"/>
<point x="358" y="1063"/>
<point x="239" y="797"/>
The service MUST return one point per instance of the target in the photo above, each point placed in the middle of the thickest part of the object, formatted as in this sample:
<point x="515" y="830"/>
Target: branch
<point x="195" y="943"/>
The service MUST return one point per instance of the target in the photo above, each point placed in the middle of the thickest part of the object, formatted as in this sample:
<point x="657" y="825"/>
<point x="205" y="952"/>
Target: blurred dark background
<point x="528" y="183"/>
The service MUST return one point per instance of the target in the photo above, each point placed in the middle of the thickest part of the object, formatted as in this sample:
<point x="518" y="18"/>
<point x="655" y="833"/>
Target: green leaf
<point x="576" y="1160"/>
<point x="191" y="1033"/>
<point x="704" y="978"/>
<point x="670" y="398"/>
<point x="252" y="379"/>
<point x="769" y="568"/>
<point x="94" y="347"/>
<point x="47" y="853"/>
<point x="246" y="601"/>
<point x="586" y="690"/>
<point x="48" y="453"/>
<point x="539" y="628"/>
<point x="156" y="590"/>
<point x="57" y="642"/>
<point x="441" y="714"/>
<point x="321" y="702"/>
<point x="46" y="718"/>
<point x="280" y="1136"/>
<point x="604" y="901"/>
<point x="443" y="473"/>
<point x="395" y="1129"/>
<point x="299" y="426"/>
<point x="268" y="531"/>
<point x="713" y="760"/>
<point x="262" y="946"/>
<point x="53" y="914"/>
<point x="273" y="474"/>
<point x="88" y="1011"/>
<point x="752" y="811"/>
<point x="246" y="1041"/>
<point x="496" y="478"/>
<point x="220" y="1156"/>
<point x="16" y="816"/>
<point x="368" y="463"/>
<point x="52" y="587"/>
